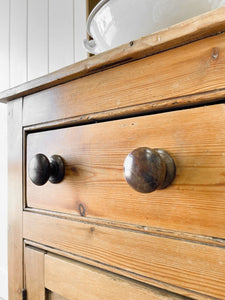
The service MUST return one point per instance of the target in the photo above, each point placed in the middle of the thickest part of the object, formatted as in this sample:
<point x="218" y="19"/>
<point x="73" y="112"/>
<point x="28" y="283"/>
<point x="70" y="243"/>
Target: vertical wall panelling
<point x="37" y="38"/>
<point x="4" y="45"/>
<point x="18" y="42"/>
<point x="3" y="203"/>
<point x="61" y="33"/>
<point x="80" y="15"/>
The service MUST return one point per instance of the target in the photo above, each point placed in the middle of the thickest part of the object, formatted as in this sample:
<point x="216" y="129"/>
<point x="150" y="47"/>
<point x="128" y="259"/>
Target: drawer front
<point x="74" y="280"/>
<point x="94" y="184"/>
<point x="188" y="70"/>
<point x="183" y="267"/>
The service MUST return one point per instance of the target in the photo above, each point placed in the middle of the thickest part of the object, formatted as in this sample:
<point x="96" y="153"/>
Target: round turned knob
<point x="41" y="169"/>
<point x="147" y="169"/>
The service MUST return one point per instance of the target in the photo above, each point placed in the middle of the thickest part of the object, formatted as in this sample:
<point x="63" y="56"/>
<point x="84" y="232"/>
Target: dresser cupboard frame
<point x="196" y="29"/>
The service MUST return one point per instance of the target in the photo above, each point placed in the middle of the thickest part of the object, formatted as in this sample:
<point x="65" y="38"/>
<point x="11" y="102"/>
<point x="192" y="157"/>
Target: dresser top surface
<point x="197" y="28"/>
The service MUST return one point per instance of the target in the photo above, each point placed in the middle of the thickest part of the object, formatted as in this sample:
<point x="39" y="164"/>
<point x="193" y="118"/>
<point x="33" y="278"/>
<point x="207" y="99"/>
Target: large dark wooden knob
<point x="41" y="169"/>
<point x="147" y="169"/>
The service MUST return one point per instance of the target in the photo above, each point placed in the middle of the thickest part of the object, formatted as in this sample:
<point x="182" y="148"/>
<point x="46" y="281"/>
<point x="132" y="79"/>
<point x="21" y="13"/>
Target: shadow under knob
<point x="41" y="169"/>
<point x="146" y="169"/>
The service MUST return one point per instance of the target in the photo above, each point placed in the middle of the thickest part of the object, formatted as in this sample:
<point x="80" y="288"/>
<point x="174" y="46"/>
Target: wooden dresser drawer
<point x="188" y="268"/>
<point x="94" y="184"/>
<point x="61" y="278"/>
<point x="74" y="280"/>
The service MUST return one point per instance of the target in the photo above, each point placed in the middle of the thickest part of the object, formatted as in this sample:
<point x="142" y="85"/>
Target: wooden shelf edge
<point x="193" y="29"/>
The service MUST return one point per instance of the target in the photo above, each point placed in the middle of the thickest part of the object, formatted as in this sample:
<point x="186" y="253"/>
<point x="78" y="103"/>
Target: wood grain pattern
<point x="186" y="267"/>
<point x="94" y="185"/>
<point x="192" y="69"/>
<point x="190" y="30"/>
<point x="3" y="198"/>
<point x="15" y="202"/>
<point x="190" y="101"/>
<point x="53" y="296"/>
<point x="202" y="239"/>
<point x="74" y="280"/>
<point x="98" y="264"/>
<point x="34" y="273"/>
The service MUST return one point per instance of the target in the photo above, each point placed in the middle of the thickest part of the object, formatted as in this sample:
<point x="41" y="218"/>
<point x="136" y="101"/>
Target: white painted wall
<point x="36" y="37"/>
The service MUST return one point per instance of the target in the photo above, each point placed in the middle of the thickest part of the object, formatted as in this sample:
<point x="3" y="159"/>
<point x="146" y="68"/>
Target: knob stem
<point x="57" y="169"/>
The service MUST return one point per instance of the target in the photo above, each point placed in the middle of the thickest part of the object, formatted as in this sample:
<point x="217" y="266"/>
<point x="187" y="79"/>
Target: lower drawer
<point x="94" y="184"/>
<point x="54" y="277"/>
<point x="187" y="268"/>
<point x="77" y="281"/>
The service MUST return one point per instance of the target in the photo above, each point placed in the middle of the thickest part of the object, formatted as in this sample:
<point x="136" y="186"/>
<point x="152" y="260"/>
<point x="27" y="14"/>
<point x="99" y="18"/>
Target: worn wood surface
<point x="192" y="69"/>
<point x="34" y="273"/>
<point x="94" y="184"/>
<point x="15" y="203"/>
<point x="190" y="30"/>
<point x="130" y="111"/>
<point x="186" y="267"/>
<point x="119" y="271"/>
<point x="74" y="280"/>
<point x="53" y="296"/>
<point x="164" y="232"/>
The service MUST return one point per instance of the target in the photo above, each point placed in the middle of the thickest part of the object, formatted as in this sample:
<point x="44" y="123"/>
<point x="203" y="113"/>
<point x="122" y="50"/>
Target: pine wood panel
<point x="53" y="296"/>
<point x="15" y="202"/>
<point x="187" y="70"/>
<point x="94" y="185"/>
<point x="190" y="30"/>
<point x="76" y="281"/>
<point x="34" y="274"/>
<point x="3" y="202"/>
<point x="186" y="267"/>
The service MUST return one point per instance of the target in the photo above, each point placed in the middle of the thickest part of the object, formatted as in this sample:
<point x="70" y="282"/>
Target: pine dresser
<point x="117" y="172"/>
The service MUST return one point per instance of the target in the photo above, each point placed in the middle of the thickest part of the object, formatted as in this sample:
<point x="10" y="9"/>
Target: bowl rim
<point x="93" y="13"/>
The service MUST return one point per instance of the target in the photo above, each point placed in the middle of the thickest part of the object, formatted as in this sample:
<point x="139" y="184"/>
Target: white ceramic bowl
<point x="116" y="22"/>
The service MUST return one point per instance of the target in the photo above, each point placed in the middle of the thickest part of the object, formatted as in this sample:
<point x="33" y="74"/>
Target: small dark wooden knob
<point x="41" y="169"/>
<point x="148" y="169"/>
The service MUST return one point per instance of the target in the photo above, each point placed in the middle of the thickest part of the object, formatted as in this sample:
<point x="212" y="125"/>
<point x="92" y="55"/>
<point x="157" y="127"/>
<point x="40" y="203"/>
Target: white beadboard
<point x="37" y="38"/>
<point x="61" y="34"/>
<point x="80" y="15"/>
<point x="4" y="45"/>
<point x="18" y="42"/>
<point x="3" y="203"/>
<point x="3" y="284"/>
